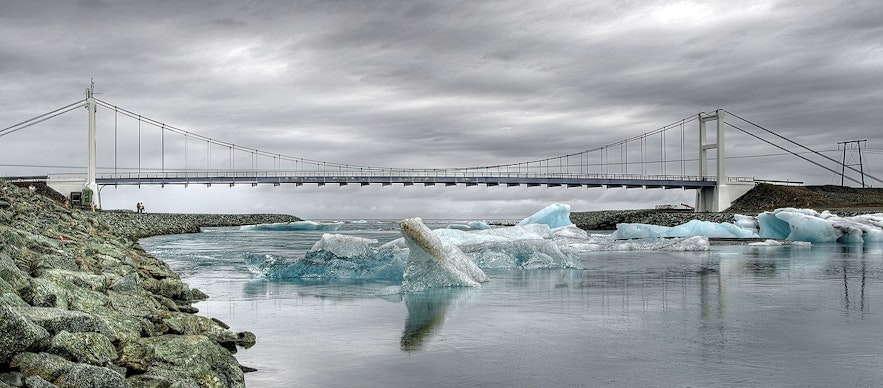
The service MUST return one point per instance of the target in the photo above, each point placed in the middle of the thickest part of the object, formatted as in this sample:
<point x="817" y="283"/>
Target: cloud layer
<point x="438" y="84"/>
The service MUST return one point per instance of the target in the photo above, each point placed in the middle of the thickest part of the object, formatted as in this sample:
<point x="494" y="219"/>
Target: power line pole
<point x="852" y="145"/>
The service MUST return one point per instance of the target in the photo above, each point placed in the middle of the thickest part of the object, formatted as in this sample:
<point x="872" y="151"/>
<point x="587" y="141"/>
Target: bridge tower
<point x="712" y="199"/>
<point x="90" y="174"/>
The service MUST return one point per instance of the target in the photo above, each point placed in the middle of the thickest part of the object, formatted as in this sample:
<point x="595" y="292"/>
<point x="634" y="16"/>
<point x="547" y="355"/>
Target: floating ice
<point x="812" y="226"/>
<point x="554" y="215"/>
<point x="692" y="228"/>
<point x="344" y="246"/>
<point x="425" y="258"/>
<point x="433" y="262"/>
<point x="296" y="225"/>
<point x="472" y="225"/>
<point x="784" y="224"/>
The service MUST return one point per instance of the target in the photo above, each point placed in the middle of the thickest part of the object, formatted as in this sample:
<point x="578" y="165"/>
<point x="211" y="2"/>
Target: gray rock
<point x="38" y="382"/>
<point x="86" y="376"/>
<point x="65" y="373"/>
<point x="57" y="320"/>
<point x="194" y="357"/>
<point x="89" y="348"/>
<point x="19" y="334"/>
<point x="12" y="379"/>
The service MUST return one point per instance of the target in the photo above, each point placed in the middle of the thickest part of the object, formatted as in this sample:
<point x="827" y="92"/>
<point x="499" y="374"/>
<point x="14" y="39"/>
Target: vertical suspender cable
<point x="139" y="146"/>
<point x="683" y="160"/>
<point x="163" y="147"/>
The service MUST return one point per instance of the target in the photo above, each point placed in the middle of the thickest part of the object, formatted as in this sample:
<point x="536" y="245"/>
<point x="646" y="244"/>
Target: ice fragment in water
<point x="296" y="225"/>
<point x="555" y="215"/>
<point x="433" y="262"/>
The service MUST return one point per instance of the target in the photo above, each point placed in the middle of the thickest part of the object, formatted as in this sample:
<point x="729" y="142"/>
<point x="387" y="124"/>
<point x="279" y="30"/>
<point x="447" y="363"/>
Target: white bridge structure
<point x="655" y="159"/>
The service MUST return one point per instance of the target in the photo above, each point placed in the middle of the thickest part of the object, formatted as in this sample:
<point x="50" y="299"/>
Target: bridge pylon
<point x="718" y="197"/>
<point x="92" y="107"/>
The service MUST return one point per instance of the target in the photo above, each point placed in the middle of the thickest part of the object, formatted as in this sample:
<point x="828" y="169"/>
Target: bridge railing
<point x="245" y="174"/>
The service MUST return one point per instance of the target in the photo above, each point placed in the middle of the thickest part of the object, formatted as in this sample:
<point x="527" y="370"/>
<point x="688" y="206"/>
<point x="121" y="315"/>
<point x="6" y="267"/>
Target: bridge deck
<point x="565" y="180"/>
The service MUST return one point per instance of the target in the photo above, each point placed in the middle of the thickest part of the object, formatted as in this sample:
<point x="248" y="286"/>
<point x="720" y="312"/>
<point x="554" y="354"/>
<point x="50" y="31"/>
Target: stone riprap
<point x="138" y="225"/>
<point x="607" y="219"/>
<point x="82" y="304"/>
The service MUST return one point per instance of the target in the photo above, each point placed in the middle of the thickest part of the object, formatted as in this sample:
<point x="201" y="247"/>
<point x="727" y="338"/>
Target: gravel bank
<point x="135" y="225"/>
<point x="607" y="219"/>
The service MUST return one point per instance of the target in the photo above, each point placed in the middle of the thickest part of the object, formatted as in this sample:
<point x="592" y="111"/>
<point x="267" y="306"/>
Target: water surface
<point x="733" y="316"/>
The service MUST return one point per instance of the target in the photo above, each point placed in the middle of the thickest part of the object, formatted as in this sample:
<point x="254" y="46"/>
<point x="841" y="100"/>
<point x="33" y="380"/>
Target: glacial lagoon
<point x="730" y="315"/>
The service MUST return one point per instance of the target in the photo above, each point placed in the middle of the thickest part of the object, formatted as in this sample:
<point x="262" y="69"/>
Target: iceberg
<point x="472" y="225"/>
<point x="296" y="225"/>
<point x="433" y="262"/>
<point x="449" y="257"/>
<point x="555" y="215"/>
<point x="792" y="224"/>
<point x="689" y="229"/>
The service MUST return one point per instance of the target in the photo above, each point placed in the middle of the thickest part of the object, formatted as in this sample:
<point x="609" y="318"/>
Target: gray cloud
<point x="439" y="84"/>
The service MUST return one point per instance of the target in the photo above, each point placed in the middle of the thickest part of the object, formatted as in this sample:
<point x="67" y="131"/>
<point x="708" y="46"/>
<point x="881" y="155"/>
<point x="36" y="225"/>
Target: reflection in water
<point x="426" y="313"/>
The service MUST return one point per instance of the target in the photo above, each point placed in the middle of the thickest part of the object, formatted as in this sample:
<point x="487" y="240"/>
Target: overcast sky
<point x="437" y="84"/>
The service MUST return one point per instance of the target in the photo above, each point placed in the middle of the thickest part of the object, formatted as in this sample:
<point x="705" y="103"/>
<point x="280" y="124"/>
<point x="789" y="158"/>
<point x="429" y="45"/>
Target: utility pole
<point x="852" y="145"/>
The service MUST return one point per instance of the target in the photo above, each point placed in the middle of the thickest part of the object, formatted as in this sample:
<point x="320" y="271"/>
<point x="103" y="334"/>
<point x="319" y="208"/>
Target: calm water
<point x="734" y="316"/>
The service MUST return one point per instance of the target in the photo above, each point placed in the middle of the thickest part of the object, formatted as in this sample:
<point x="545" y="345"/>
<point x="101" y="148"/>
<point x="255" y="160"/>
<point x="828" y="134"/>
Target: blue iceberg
<point x="296" y="225"/>
<point x="792" y="224"/>
<point x="448" y="257"/>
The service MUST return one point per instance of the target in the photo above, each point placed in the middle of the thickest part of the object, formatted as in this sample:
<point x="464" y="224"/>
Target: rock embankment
<point x="82" y="305"/>
<point x="138" y="225"/>
<point x="607" y="219"/>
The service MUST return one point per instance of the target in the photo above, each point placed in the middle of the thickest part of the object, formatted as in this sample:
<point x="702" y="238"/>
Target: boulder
<point x="19" y="334"/>
<point x="56" y="320"/>
<point x="89" y="348"/>
<point x="64" y="373"/>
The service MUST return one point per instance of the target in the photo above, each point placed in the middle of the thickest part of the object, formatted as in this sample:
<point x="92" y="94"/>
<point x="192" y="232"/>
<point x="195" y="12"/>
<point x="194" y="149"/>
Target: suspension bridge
<point x="680" y="155"/>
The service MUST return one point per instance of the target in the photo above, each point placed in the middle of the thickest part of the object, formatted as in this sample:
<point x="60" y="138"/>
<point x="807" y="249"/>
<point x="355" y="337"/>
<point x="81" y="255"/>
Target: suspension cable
<point x="41" y="118"/>
<point x="788" y="151"/>
<point x="799" y="145"/>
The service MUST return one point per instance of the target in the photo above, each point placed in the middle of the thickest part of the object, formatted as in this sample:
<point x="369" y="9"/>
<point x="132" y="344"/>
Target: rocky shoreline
<point x="607" y="219"/>
<point x="140" y="225"/>
<point x="82" y="305"/>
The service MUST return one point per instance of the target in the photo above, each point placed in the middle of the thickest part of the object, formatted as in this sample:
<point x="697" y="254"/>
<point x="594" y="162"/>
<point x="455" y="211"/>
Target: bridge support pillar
<point x="712" y="199"/>
<point x="90" y="173"/>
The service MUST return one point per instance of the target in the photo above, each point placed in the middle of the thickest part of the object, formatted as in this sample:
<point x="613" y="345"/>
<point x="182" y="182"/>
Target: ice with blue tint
<point x="813" y="226"/>
<point x="805" y="225"/>
<point x="433" y="262"/>
<point x="335" y="256"/>
<point x="471" y="225"/>
<point x="691" y="228"/>
<point x="296" y="225"/>
<point x="555" y="215"/>
<point x="447" y="257"/>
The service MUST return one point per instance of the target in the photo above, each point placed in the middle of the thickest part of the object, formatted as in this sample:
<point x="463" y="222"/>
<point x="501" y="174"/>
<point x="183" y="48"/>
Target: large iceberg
<point x="810" y="225"/>
<point x="555" y="215"/>
<point x="805" y="225"/>
<point x="692" y="228"/>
